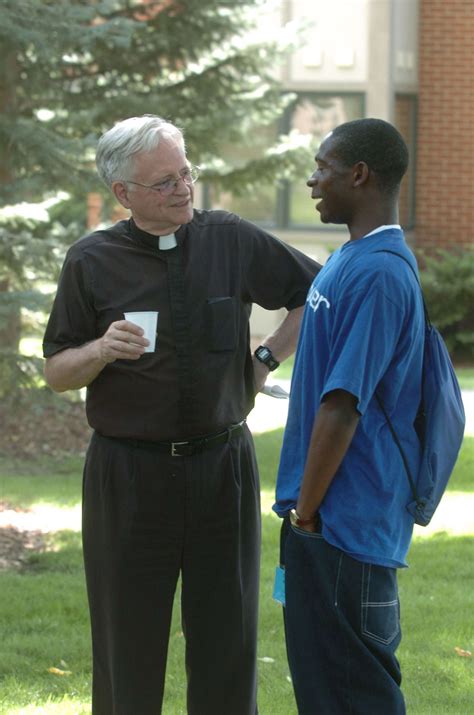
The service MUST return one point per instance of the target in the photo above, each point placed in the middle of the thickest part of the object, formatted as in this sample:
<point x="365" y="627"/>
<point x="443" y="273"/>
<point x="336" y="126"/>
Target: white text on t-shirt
<point x="315" y="299"/>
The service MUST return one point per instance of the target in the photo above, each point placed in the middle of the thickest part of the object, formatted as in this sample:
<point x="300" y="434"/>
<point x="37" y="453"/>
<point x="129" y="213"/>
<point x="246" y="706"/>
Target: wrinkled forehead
<point x="167" y="158"/>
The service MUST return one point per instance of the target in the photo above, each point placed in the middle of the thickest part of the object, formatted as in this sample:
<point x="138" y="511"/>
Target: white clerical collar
<point x="383" y="228"/>
<point x="167" y="242"/>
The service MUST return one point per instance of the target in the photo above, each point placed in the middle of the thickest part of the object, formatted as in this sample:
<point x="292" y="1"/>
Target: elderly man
<point x="170" y="482"/>
<point x="342" y="486"/>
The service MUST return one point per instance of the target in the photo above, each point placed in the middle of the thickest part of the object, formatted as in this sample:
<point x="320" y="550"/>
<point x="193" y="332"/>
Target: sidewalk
<point x="270" y="413"/>
<point x="454" y="515"/>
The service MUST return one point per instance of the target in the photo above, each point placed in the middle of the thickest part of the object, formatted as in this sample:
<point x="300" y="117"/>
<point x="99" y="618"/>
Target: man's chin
<point x="184" y="214"/>
<point x="325" y="218"/>
<point x="320" y="209"/>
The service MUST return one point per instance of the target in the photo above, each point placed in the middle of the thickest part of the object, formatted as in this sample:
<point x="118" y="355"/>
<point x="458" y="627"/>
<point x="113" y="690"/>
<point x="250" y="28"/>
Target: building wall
<point x="404" y="39"/>
<point x="334" y="48"/>
<point x="445" y="142"/>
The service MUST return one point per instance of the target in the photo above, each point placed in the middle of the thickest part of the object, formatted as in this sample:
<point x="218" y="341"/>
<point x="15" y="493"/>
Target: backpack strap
<point x="395" y="253"/>
<point x="400" y="448"/>
<point x="379" y="399"/>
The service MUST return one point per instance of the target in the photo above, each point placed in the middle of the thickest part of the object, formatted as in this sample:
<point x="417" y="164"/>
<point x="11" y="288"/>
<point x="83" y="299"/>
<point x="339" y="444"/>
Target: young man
<point x="170" y="482"/>
<point x="342" y="487"/>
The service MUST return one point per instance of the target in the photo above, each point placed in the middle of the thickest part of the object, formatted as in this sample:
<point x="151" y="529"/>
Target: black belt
<point x="186" y="448"/>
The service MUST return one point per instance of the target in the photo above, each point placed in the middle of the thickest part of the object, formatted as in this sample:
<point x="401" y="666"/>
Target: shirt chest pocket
<point x="221" y="323"/>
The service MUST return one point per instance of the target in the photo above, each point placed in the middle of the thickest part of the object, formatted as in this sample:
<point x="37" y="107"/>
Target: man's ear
<point x="360" y="173"/>
<point x="120" y="191"/>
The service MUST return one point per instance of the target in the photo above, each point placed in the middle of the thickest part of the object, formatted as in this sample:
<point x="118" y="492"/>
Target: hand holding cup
<point x="124" y="340"/>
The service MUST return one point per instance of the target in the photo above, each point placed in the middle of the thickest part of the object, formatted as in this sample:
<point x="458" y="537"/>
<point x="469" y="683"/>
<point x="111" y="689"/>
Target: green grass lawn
<point x="44" y="623"/>
<point x="465" y="375"/>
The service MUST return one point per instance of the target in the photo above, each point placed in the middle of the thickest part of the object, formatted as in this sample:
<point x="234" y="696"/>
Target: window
<point x="259" y="205"/>
<point x="287" y="204"/>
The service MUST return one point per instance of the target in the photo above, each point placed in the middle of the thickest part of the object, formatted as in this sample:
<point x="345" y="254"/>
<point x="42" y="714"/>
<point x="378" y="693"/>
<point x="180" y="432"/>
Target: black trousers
<point x="148" y="517"/>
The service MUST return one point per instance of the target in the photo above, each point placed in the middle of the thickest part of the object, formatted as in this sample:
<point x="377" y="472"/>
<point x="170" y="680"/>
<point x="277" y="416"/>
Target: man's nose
<point x="311" y="181"/>
<point x="181" y="187"/>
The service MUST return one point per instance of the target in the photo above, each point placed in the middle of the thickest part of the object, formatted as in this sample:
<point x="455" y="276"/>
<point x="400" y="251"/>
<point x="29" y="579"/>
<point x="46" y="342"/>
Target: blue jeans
<point x="342" y="628"/>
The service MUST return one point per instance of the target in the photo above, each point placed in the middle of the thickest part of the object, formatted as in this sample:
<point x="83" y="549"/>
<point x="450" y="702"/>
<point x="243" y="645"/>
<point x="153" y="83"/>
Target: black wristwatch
<point x="264" y="354"/>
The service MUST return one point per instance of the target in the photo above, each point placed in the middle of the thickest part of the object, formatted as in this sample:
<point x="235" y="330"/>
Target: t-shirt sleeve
<point x="274" y="275"/>
<point x="364" y="338"/>
<point x="72" y="322"/>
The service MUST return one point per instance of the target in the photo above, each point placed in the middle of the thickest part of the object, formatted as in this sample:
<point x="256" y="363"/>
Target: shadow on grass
<point x="63" y="555"/>
<point x="46" y="480"/>
<point x="58" y="482"/>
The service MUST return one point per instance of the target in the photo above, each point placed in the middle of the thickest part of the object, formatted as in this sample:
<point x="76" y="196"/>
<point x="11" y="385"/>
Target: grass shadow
<point x="43" y="481"/>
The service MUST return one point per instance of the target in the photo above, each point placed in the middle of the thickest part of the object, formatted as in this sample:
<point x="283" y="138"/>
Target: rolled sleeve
<point x="72" y="322"/>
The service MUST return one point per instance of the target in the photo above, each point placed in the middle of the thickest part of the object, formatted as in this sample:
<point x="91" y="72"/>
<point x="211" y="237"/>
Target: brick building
<point x="408" y="61"/>
<point x="445" y="127"/>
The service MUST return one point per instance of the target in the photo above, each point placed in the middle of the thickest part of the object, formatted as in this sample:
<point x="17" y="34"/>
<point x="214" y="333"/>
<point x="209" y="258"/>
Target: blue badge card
<point x="279" y="585"/>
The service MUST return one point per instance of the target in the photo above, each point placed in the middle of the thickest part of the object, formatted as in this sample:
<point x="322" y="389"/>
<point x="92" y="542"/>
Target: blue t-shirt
<point x="362" y="330"/>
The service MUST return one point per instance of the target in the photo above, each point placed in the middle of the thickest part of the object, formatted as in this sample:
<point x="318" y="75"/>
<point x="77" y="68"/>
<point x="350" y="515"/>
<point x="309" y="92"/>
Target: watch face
<point x="264" y="354"/>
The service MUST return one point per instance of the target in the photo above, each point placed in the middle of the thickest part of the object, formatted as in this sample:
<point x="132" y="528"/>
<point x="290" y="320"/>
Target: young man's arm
<point x="74" y="368"/>
<point x="334" y="427"/>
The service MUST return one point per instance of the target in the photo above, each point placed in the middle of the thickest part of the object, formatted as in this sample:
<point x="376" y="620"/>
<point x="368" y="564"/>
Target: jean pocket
<point x="307" y="534"/>
<point x="380" y="607"/>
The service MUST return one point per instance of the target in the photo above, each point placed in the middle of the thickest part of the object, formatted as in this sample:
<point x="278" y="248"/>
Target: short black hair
<point x="378" y="144"/>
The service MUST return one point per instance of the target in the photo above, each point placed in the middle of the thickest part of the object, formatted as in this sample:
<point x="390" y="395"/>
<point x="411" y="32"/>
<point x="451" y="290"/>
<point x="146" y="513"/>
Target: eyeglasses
<point x="167" y="187"/>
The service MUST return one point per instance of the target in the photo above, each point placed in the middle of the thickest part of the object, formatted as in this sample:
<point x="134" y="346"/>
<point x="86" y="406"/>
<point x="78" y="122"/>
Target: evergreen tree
<point x="73" y="68"/>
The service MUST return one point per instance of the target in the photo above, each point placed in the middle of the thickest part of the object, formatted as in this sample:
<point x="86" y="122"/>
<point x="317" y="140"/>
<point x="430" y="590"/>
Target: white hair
<point x="117" y="147"/>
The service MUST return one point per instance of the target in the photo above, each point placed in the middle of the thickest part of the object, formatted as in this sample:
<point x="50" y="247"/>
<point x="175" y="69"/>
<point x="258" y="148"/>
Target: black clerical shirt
<point x="200" y="377"/>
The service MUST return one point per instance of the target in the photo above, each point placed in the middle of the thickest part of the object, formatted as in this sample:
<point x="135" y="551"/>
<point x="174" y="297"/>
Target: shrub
<point x="447" y="278"/>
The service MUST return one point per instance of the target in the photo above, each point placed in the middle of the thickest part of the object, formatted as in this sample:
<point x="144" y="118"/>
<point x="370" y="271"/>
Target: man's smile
<point x="182" y="204"/>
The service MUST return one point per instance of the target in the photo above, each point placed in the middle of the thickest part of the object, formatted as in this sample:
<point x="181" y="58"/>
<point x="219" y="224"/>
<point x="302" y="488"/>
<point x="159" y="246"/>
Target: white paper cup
<point x="147" y="320"/>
